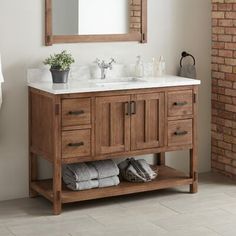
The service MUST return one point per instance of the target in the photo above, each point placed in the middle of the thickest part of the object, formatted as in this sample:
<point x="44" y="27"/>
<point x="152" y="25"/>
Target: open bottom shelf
<point x="167" y="178"/>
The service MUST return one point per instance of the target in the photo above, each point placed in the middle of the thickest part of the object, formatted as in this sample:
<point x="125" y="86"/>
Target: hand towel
<point x="130" y="173"/>
<point x="90" y="184"/>
<point x="83" y="185"/>
<point x="188" y="71"/>
<point x="105" y="168"/>
<point x="108" y="182"/>
<point x="147" y="168"/>
<point x="80" y="171"/>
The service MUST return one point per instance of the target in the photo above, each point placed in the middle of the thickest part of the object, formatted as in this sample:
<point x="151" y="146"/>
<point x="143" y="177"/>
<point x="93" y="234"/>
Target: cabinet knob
<point x="180" y="133"/>
<point x="76" y="144"/>
<point x="76" y="113"/>
<point x="179" y="104"/>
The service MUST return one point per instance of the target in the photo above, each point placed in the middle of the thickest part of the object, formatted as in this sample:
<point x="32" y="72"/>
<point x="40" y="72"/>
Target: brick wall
<point x="135" y="15"/>
<point x="224" y="87"/>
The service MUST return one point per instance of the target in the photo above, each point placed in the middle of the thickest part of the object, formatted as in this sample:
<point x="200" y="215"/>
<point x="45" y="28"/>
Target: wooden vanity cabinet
<point x="70" y="128"/>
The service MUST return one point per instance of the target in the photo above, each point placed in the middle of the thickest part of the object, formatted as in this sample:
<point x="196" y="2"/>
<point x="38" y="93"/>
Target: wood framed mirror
<point x="77" y="21"/>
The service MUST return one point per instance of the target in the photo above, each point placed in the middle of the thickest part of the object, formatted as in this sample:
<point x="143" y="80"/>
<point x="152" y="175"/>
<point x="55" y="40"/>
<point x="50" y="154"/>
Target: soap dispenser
<point x="161" y="67"/>
<point x="139" y="69"/>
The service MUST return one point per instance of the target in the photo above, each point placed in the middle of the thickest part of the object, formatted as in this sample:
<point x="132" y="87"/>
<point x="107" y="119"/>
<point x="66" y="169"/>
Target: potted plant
<point x="60" y="66"/>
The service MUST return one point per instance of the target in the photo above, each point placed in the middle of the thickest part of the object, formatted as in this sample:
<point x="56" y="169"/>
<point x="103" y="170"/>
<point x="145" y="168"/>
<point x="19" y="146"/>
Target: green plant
<point x="61" y="61"/>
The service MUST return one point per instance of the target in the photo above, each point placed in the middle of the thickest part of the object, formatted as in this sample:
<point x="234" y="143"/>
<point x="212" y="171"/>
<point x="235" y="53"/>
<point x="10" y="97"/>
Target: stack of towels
<point x="97" y="174"/>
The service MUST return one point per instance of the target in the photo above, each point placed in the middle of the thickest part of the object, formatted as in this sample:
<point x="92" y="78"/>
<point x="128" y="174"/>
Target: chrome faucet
<point x="104" y="66"/>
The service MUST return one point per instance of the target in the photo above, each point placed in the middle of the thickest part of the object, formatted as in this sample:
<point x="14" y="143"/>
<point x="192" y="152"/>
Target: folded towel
<point x="132" y="174"/>
<point x="188" y="71"/>
<point x="106" y="168"/>
<point x="83" y="185"/>
<point x="80" y="171"/>
<point x="108" y="182"/>
<point x="90" y="184"/>
<point x="148" y="169"/>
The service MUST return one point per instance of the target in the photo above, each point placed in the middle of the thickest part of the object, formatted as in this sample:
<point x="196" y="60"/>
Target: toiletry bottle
<point x="160" y="67"/>
<point x="154" y="67"/>
<point x="163" y="65"/>
<point x="139" y="68"/>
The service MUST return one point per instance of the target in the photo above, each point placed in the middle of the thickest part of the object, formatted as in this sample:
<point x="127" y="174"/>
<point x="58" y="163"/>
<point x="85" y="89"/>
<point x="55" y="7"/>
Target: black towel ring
<point x="185" y="54"/>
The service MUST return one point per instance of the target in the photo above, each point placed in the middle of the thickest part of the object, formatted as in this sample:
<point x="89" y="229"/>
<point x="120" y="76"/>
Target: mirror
<point x="73" y="17"/>
<point x="71" y="21"/>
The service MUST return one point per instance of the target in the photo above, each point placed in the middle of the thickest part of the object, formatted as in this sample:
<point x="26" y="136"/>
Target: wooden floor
<point x="173" y="212"/>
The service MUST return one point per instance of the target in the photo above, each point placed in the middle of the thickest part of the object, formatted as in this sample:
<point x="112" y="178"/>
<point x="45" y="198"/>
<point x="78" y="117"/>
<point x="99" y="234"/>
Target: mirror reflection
<point x="90" y="17"/>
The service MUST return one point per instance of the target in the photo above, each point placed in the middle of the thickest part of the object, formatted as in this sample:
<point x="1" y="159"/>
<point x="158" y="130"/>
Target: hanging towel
<point x="106" y="168"/>
<point x="188" y="71"/>
<point x="1" y="81"/>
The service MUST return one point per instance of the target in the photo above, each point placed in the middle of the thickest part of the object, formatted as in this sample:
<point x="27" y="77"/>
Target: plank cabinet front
<point x="129" y="123"/>
<point x="82" y="127"/>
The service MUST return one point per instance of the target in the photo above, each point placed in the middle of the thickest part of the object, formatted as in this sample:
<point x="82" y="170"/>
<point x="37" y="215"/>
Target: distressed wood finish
<point x="76" y="112"/>
<point x="180" y="132"/>
<point x="113" y="124"/>
<point x="137" y="31"/>
<point x="168" y="178"/>
<point x="147" y="118"/>
<point x="76" y="143"/>
<point x="180" y="103"/>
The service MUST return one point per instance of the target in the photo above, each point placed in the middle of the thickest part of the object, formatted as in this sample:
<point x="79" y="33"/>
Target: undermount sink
<point x="122" y="81"/>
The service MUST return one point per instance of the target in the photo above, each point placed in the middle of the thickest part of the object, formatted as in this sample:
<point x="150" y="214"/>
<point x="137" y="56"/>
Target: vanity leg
<point x="194" y="150"/>
<point x="33" y="173"/>
<point x="193" y="171"/>
<point x="160" y="158"/>
<point x="57" y="188"/>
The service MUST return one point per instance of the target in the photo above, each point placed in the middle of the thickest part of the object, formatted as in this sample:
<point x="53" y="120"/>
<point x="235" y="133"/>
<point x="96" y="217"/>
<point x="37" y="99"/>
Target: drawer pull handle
<point x="127" y="109"/>
<point x="133" y="108"/>
<point x="180" y="133"/>
<point x="179" y="104"/>
<point x="76" y="144"/>
<point x="76" y="113"/>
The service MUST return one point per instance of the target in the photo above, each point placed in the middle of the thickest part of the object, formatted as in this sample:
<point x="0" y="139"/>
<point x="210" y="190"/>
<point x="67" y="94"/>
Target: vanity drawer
<point x="76" y="111"/>
<point x="180" y="103"/>
<point x="76" y="143"/>
<point x="180" y="132"/>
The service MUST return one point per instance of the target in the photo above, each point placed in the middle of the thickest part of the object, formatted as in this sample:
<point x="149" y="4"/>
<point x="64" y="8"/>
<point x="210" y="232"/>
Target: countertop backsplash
<point x="87" y="71"/>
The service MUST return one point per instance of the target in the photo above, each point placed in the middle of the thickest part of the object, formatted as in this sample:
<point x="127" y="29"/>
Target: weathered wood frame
<point x="51" y="39"/>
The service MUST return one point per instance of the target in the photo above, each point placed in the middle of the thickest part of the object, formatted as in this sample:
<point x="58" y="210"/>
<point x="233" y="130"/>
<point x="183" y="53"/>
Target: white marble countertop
<point x="112" y="85"/>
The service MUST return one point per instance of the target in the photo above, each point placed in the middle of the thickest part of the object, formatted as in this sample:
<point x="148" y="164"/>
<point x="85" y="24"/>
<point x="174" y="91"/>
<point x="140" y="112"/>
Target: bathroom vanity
<point x="96" y="120"/>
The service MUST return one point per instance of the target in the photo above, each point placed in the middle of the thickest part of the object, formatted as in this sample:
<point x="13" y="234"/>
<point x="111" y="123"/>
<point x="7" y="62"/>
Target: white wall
<point x="174" y="25"/>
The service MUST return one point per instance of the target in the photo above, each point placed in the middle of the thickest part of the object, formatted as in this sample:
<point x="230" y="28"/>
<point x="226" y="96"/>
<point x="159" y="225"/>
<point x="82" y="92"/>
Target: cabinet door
<point x="112" y="124"/>
<point x="147" y="121"/>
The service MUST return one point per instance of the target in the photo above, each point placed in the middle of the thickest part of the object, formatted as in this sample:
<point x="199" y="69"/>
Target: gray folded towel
<point x="90" y="184"/>
<point x="80" y="171"/>
<point x="108" y="182"/>
<point x="106" y="168"/>
<point x="188" y="71"/>
<point x="130" y="173"/>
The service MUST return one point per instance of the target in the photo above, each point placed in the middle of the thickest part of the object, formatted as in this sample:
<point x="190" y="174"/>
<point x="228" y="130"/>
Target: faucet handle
<point x="112" y="61"/>
<point x="98" y="61"/>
